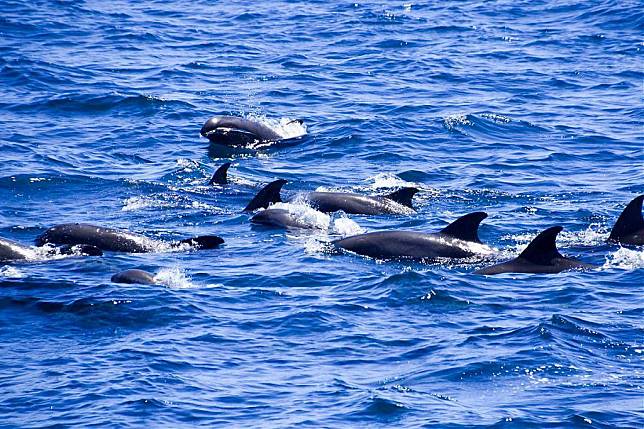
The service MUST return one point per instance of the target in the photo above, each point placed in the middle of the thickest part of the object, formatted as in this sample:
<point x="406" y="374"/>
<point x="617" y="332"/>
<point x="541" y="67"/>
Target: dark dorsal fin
<point x="220" y="177"/>
<point x="465" y="227"/>
<point x="268" y="195"/>
<point x="203" y="241"/>
<point x="543" y="248"/>
<point x="629" y="221"/>
<point x="403" y="196"/>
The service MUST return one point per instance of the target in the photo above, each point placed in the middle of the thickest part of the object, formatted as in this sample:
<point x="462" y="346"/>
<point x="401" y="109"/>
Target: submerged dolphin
<point x="13" y="251"/>
<point x="459" y="239"/>
<point x="629" y="228"/>
<point x="134" y="277"/>
<point x="116" y="240"/>
<point x="237" y="131"/>
<point x="399" y="202"/>
<point x="280" y="218"/>
<point x="541" y="256"/>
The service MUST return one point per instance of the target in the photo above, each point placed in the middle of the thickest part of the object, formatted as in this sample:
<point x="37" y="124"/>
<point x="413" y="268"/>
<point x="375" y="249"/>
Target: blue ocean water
<point x="529" y="110"/>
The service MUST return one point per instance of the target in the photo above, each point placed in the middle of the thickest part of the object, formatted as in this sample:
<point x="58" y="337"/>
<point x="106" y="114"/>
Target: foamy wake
<point x="174" y="278"/>
<point x="10" y="272"/>
<point x="625" y="259"/>
<point x="594" y="235"/>
<point x="288" y="128"/>
<point x="338" y="224"/>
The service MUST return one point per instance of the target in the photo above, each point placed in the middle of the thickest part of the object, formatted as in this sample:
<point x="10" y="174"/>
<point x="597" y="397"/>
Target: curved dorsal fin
<point x="629" y="221"/>
<point x="266" y="196"/>
<point x="465" y="227"/>
<point x="543" y="248"/>
<point x="220" y="177"/>
<point x="403" y="196"/>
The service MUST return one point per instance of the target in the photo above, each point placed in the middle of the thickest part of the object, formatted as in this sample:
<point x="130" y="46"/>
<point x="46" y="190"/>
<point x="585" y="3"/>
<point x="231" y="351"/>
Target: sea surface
<point x="529" y="110"/>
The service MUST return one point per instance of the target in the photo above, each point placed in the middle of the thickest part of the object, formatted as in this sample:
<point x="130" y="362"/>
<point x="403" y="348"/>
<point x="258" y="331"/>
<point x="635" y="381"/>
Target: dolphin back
<point x="133" y="277"/>
<point x="218" y="124"/>
<point x="541" y="256"/>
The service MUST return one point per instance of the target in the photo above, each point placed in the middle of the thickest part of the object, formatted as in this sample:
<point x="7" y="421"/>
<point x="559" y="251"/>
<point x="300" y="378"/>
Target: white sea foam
<point x="305" y="214"/>
<point x="288" y="128"/>
<point x="10" y="272"/>
<point x="346" y="227"/>
<point x="388" y="180"/>
<point x="627" y="259"/>
<point x="452" y="121"/>
<point x="174" y="278"/>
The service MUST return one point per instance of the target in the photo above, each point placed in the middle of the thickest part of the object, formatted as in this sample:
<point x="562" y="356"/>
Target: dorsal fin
<point x="465" y="227"/>
<point x="403" y="196"/>
<point x="220" y="177"/>
<point x="266" y="196"/>
<point x="629" y="221"/>
<point x="543" y="248"/>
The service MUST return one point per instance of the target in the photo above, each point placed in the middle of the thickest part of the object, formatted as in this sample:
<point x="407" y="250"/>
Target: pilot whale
<point x="399" y="202"/>
<point x="629" y="228"/>
<point x="238" y="131"/>
<point x="115" y="240"/>
<point x="13" y="251"/>
<point x="459" y="239"/>
<point x="540" y="257"/>
<point x="134" y="276"/>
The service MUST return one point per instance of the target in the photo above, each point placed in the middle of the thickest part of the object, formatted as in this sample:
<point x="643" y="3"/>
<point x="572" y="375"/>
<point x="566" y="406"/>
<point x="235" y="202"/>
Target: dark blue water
<point x="531" y="111"/>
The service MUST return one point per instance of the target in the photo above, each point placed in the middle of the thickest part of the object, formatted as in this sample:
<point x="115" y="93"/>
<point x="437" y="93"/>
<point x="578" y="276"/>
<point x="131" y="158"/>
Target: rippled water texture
<point x="531" y="111"/>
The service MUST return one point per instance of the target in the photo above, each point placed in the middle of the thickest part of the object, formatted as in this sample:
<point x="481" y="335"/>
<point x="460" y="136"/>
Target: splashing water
<point x="174" y="278"/>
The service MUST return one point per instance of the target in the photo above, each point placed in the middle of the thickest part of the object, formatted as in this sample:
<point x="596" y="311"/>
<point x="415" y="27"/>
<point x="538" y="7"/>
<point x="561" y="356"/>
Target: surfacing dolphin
<point x="458" y="240"/>
<point x="13" y="251"/>
<point x="134" y="276"/>
<point x="540" y="257"/>
<point x="115" y="240"/>
<point x="399" y="202"/>
<point x="237" y="131"/>
<point x="629" y="228"/>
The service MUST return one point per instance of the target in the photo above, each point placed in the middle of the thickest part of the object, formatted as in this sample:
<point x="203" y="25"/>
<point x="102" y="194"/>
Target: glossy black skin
<point x="406" y="245"/>
<point x="236" y="131"/>
<point x="350" y="203"/>
<point x="279" y="218"/>
<point x="114" y="240"/>
<point x="12" y="251"/>
<point x="108" y="239"/>
<point x="629" y="227"/>
<point x="133" y="277"/>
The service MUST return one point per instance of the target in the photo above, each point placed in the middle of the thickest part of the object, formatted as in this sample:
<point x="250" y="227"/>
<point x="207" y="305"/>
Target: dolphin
<point x="237" y="131"/>
<point x="399" y="202"/>
<point x="134" y="277"/>
<point x="279" y="218"/>
<point x="115" y="240"/>
<point x="629" y="228"/>
<point x="220" y="177"/>
<point x="13" y="251"/>
<point x="459" y="239"/>
<point x="541" y="256"/>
